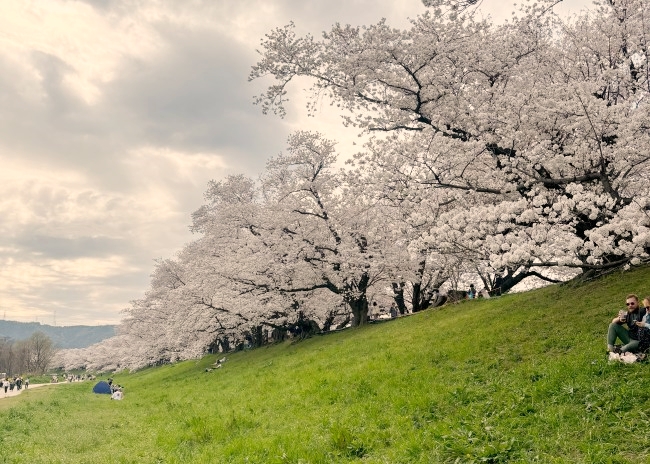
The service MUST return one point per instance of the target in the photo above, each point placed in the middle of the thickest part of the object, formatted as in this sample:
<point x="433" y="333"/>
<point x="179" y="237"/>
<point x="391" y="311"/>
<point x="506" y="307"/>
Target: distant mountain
<point x="75" y="336"/>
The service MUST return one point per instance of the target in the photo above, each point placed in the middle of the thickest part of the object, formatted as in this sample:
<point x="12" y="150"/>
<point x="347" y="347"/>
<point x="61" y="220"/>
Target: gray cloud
<point x="195" y="98"/>
<point x="67" y="248"/>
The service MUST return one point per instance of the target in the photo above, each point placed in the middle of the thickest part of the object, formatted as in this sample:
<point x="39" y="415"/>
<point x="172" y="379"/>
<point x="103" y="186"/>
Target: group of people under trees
<point x="631" y="327"/>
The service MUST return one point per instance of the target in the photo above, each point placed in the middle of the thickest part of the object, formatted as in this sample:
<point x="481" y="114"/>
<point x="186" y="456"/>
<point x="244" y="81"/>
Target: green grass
<point x="520" y="378"/>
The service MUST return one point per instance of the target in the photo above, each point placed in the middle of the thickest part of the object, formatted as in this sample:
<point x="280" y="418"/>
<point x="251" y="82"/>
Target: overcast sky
<point x="114" y="115"/>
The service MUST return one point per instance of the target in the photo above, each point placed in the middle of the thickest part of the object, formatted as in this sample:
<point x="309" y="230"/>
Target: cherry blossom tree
<point x="245" y="231"/>
<point x="493" y="152"/>
<point x="408" y="210"/>
<point x="539" y="126"/>
<point x="319" y="234"/>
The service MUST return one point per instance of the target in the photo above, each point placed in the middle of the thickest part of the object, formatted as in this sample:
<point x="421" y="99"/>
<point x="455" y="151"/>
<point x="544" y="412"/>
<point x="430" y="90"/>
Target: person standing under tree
<point x="393" y="311"/>
<point x="630" y="336"/>
<point x="471" y="293"/>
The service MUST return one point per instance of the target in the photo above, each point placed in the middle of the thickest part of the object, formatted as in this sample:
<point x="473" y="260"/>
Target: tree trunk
<point x="513" y="277"/>
<point x="359" y="307"/>
<point x="304" y="327"/>
<point x="327" y="325"/>
<point x="416" y="301"/>
<point x="278" y="334"/>
<point x="398" y="296"/>
<point x="356" y="298"/>
<point x="343" y="324"/>
<point x="257" y="336"/>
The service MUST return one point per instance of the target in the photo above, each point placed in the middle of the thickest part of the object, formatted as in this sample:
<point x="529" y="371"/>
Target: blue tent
<point x="102" y="387"/>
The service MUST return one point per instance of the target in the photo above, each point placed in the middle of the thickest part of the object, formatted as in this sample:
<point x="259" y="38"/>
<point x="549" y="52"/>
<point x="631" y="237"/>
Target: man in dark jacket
<point x="628" y="336"/>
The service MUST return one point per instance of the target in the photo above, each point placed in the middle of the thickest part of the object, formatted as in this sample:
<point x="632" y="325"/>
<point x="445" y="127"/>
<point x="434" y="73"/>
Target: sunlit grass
<point x="521" y="378"/>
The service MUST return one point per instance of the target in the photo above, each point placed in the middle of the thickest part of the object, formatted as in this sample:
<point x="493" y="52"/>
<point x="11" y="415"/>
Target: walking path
<point x="15" y="392"/>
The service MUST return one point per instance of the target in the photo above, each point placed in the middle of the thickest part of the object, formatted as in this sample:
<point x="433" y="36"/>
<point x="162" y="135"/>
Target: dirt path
<point x="16" y="392"/>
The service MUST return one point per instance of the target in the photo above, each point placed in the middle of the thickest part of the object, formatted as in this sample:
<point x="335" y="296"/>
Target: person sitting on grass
<point x="117" y="394"/>
<point x="630" y="336"/>
<point x="644" y="327"/>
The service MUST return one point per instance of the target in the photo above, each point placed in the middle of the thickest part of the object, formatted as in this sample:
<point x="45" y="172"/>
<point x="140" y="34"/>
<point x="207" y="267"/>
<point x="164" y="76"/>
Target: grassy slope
<point x="521" y="378"/>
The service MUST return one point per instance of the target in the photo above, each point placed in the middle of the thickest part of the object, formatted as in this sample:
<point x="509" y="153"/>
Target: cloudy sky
<point x="114" y="115"/>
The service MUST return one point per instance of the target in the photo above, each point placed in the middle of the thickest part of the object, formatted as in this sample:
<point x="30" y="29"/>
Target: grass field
<point x="520" y="378"/>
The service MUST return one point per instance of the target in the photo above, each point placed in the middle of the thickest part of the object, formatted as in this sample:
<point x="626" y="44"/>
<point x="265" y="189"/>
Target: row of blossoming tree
<point x="505" y="151"/>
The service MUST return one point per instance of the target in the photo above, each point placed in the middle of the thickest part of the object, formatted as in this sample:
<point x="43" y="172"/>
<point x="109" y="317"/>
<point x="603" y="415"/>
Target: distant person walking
<point x="630" y="336"/>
